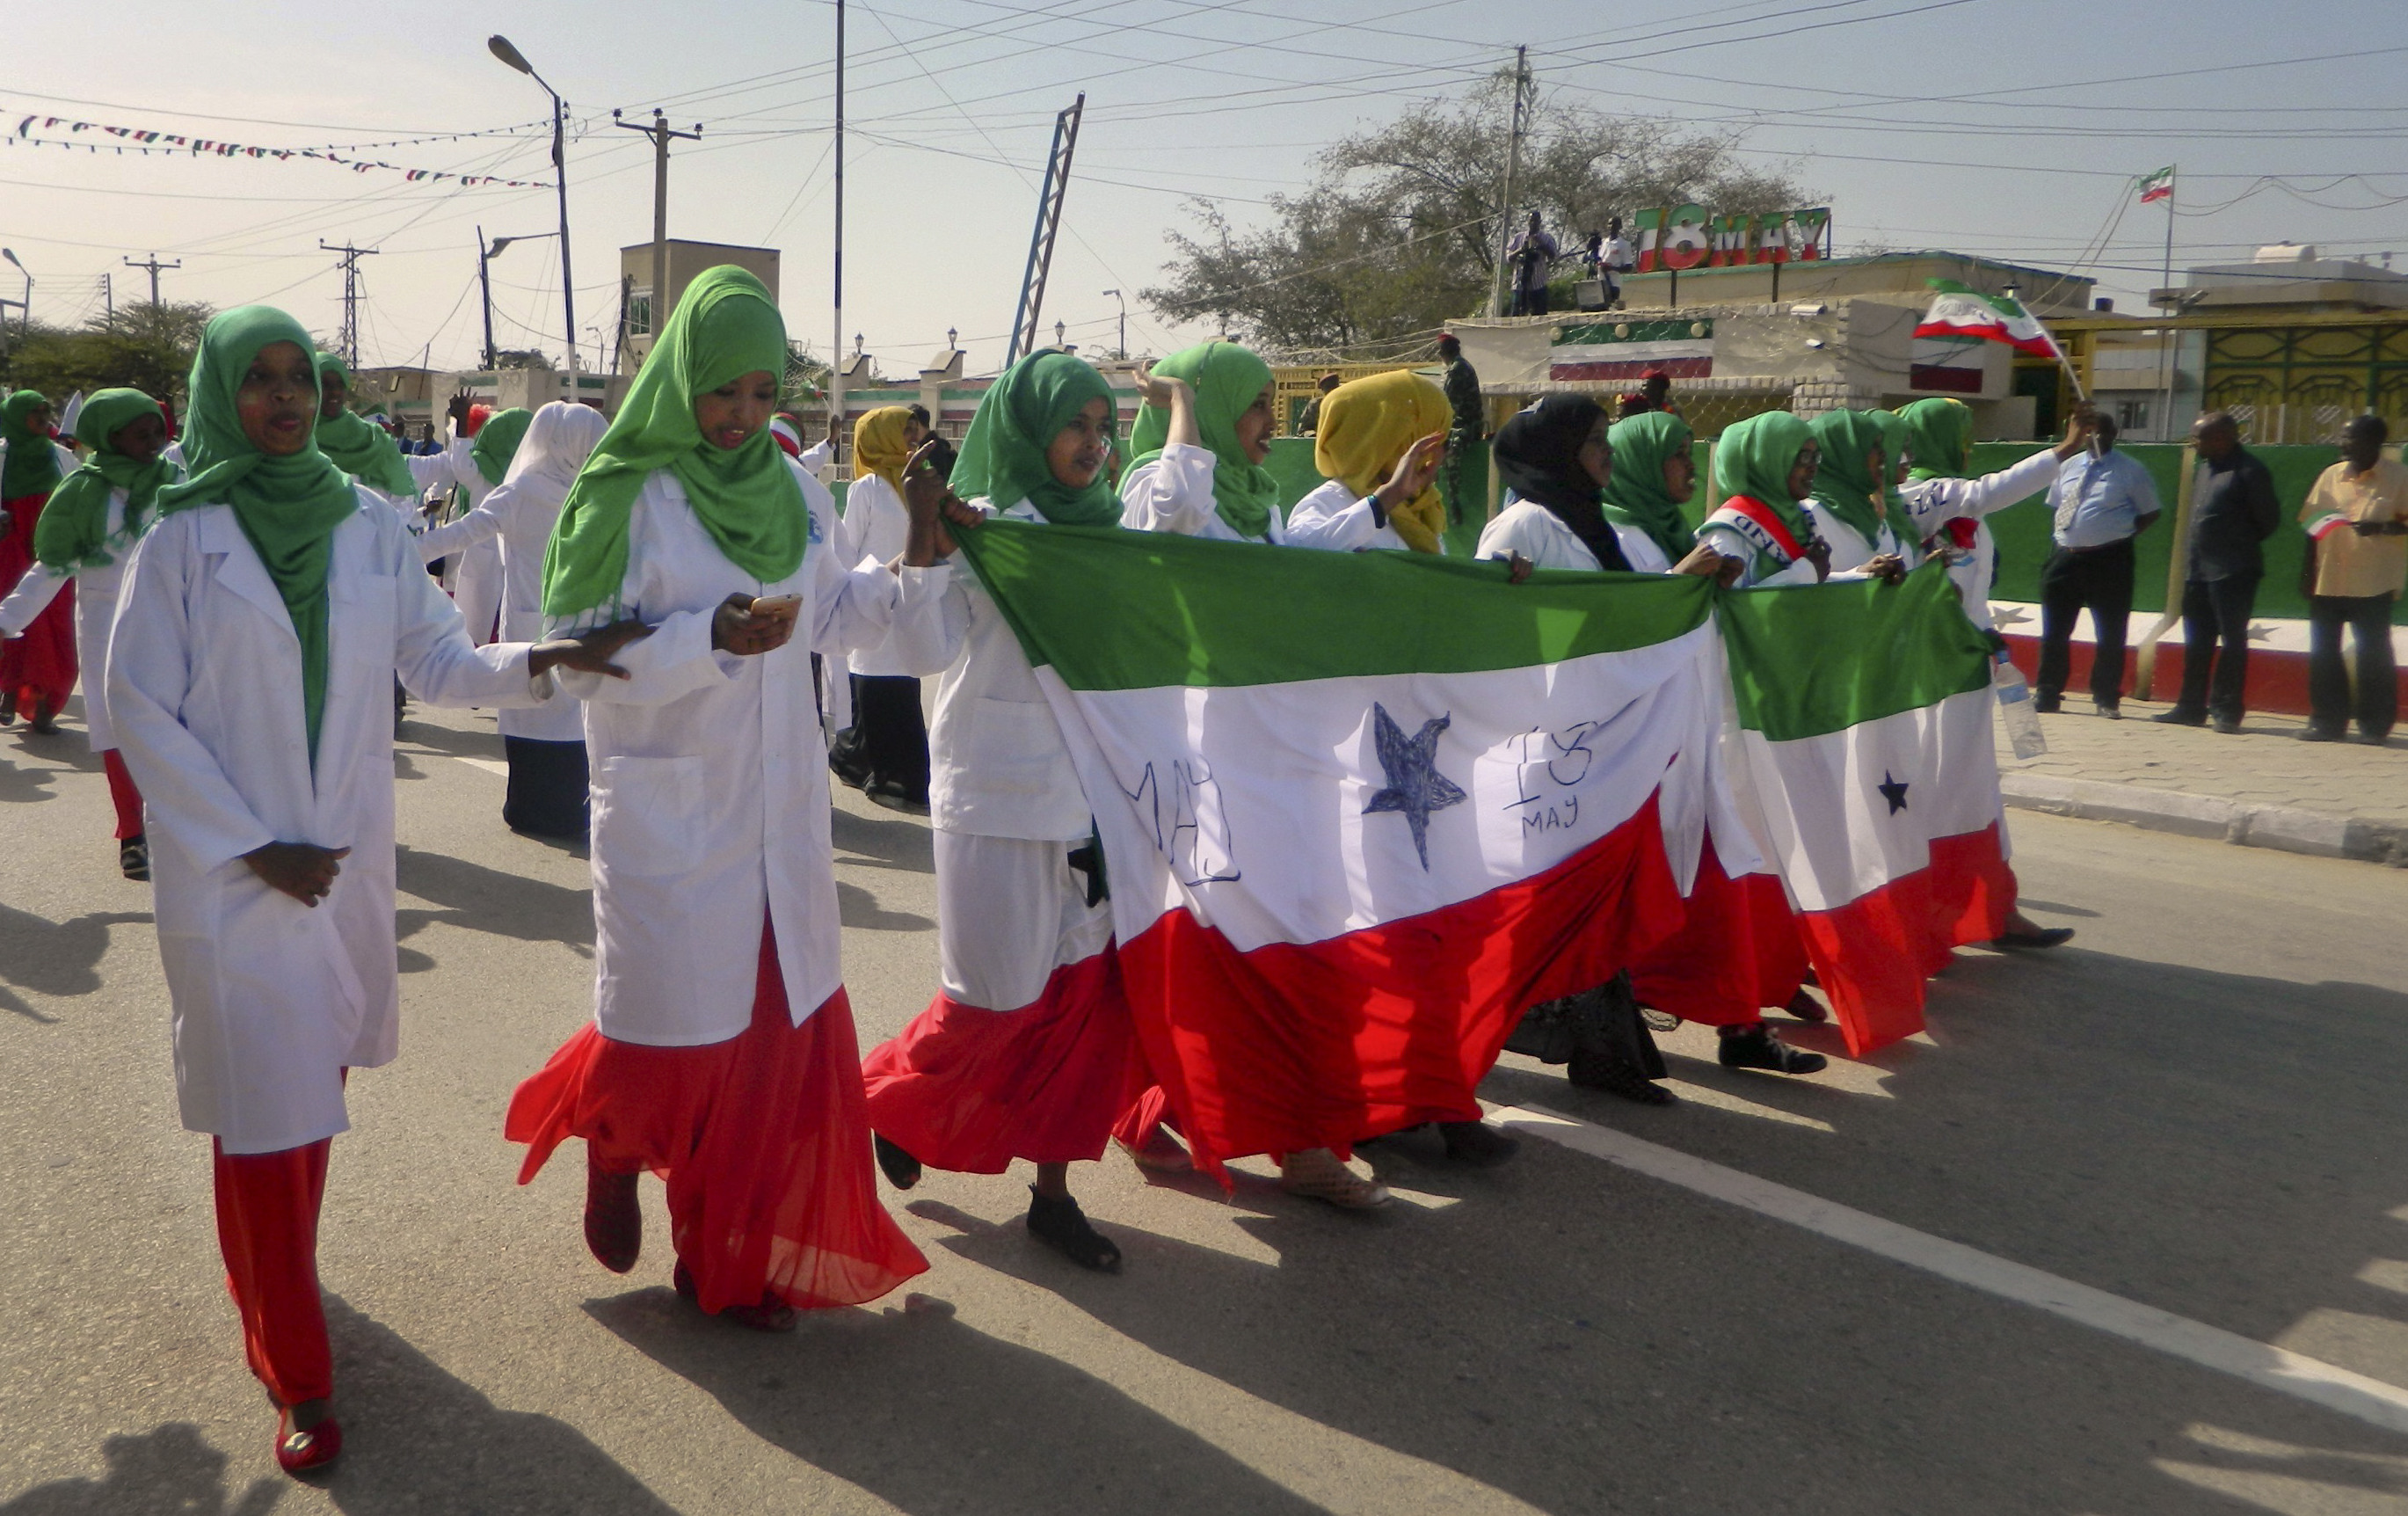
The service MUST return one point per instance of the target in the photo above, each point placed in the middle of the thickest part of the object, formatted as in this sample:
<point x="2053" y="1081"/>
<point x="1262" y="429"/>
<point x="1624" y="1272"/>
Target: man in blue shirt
<point x="2101" y="500"/>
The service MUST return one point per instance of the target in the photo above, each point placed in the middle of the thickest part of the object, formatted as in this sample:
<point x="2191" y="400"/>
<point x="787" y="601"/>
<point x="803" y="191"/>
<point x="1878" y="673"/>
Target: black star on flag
<point x="1415" y="787"/>
<point x="1894" y="791"/>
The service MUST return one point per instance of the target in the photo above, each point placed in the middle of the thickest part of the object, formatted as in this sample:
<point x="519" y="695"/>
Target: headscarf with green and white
<point x="1227" y="378"/>
<point x="1939" y="432"/>
<point x="1754" y="457"/>
<point x="726" y="327"/>
<point x="1003" y="454"/>
<point x="32" y="463"/>
<point x="1635" y="495"/>
<point x="1895" y="446"/>
<point x="497" y="441"/>
<point x="73" y="531"/>
<point x="1844" y="486"/>
<point x="288" y="507"/>
<point x="359" y="446"/>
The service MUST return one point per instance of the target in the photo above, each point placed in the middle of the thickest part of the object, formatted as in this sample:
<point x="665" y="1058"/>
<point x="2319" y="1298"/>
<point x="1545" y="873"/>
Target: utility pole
<point x="154" y="264"/>
<point x="349" y="341"/>
<point x="1512" y="172"/>
<point x="107" y="303"/>
<point x="658" y="130"/>
<point x="835" y="351"/>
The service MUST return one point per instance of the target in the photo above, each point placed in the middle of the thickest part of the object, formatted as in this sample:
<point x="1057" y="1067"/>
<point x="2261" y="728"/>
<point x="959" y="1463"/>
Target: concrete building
<point x="643" y="314"/>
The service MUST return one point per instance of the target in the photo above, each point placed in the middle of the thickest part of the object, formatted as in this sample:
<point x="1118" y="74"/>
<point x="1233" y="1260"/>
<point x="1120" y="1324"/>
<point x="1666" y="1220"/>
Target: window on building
<point x="640" y="312"/>
<point x="2131" y="415"/>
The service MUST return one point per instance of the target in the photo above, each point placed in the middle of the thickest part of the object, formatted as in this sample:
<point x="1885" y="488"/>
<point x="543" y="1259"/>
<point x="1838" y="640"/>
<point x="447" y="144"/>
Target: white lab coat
<point x="1758" y="571"/>
<point x="1335" y="519"/>
<point x="1174" y="494"/>
<point x="1537" y="533"/>
<point x="517" y="515"/>
<point x="710" y="798"/>
<point x="875" y="525"/>
<point x="96" y="585"/>
<point x="1934" y="502"/>
<point x="1850" y="552"/>
<point x="272" y="999"/>
<point x="998" y="766"/>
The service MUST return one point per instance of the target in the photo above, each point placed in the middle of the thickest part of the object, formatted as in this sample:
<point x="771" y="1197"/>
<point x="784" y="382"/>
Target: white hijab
<point x="558" y="442"/>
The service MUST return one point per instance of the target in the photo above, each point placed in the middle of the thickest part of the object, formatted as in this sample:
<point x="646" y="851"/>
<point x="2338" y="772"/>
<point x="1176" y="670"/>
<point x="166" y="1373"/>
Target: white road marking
<point x="489" y="765"/>
<point x="2269" y="1367"/>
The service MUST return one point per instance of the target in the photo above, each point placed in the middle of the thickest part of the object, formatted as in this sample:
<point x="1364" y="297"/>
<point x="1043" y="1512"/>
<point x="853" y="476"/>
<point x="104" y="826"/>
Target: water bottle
<point x="2016" y="710"/>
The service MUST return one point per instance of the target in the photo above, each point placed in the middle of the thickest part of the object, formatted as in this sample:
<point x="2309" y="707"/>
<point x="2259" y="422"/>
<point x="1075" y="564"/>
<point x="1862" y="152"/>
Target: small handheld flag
<point x="2157" y="186"/>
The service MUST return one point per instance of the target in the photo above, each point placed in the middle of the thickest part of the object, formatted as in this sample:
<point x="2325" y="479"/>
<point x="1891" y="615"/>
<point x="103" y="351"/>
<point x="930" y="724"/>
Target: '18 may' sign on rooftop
<point x="1685" y="237"/>
<point x="1623" y="350"/>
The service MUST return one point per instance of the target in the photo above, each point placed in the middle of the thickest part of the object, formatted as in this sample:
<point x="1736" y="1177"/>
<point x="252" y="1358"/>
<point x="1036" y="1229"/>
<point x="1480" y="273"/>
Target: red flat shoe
<point x="614" y="1220"/>
<point x="301" y="1450"/>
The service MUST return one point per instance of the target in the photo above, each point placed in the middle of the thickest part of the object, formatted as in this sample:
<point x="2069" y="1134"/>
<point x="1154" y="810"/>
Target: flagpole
<point x="2166" y="334"/>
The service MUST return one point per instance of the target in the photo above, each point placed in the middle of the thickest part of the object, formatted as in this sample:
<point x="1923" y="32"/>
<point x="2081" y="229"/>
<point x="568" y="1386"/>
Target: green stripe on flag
<point x="1817" y="658"/>
<point x="1113" y="609"/>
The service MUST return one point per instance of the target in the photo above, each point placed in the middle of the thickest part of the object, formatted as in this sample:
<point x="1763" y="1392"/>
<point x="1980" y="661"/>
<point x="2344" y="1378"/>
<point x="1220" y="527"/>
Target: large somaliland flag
<point x="1359" y="810"/>
<point x="1865" y="768"/>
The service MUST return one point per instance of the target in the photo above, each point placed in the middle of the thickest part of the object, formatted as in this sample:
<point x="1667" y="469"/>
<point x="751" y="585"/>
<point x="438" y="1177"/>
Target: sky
<point x="2012" y="128"/>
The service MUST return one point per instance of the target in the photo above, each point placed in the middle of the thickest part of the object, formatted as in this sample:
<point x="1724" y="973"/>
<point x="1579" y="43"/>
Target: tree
<point x="806" y="376"/>
<point x="522" y="357"/>
<point x="146" y="347"/>
<point x="1399" y="234"/>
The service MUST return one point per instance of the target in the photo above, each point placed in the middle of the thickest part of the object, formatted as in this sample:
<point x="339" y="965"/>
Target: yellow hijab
<point x="1365" y="426"/>
<point x="877" y="444"/>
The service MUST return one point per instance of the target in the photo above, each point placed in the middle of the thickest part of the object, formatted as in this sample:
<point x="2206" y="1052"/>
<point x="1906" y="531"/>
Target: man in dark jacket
<point x="2233" y="511"/>
<point x="1470" y="414"/>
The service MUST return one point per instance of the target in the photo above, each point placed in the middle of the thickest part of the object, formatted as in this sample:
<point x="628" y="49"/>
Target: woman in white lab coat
<point x="884" y="752"/>
<point x="1766" y="462"/>
<point x="259" y="627"/>
<point x="1849" y="507"/>
<point x="545" y="747"/>
<point x="1200" y="441"/>
<point x="721" y="1054"/>
<point x="1378" y="436"/>
<point x="85" y="532"/>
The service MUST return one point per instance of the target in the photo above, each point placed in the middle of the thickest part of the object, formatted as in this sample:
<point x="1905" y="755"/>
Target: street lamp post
<point x="500" y="48"/>
<point x="1060" y="332"/>
<point x="485" y="252"/>
<point x="1124" y="300"/>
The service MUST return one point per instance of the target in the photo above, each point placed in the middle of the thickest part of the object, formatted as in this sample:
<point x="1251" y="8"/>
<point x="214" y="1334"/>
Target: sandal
<point x="1062" y="1226"/>
<point x="301" y="1450"/>
<point x="770" y="1315"/>
<point x="1317" y="1174"/>
<point x="1158" y="1150"/>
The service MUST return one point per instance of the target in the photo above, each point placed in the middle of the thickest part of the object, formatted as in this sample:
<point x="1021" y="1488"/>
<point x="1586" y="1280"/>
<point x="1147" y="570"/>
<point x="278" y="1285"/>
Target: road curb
<point x="2286" y="827"/>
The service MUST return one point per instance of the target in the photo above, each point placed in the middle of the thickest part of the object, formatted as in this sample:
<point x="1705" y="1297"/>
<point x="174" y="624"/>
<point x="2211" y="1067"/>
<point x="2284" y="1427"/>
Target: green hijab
<point x="288" y="507"/>
<point x="497" y="440"/>
<point x="1227" y="378"/>
<point x="359" y="446"/>
<point x="1635" y="495"/>
<point x="1754" y="457"/>
<point x="1895" y="446"/>
<point x="726" y="327"/>
<point x="1003" y="454"/>
<point x="32" y="466"/>
<point x="73" y="531"/>
<point x="1937" y="433"/>
<point x="1843" y="486"/>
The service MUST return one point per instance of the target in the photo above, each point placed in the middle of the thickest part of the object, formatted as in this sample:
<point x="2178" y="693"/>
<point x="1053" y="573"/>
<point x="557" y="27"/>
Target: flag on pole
<point x="1866" y="768"/>
<point x="2157" y="186"/>
<point x="1359" y="811"/>
<point x="1959" y="311"/>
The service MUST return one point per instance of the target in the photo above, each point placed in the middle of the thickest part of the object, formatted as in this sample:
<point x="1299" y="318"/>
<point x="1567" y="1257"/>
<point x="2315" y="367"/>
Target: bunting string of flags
<point x="145" y="141"/>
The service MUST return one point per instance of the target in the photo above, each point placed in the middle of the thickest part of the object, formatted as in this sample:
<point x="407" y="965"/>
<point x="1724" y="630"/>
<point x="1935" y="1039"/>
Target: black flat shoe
<point x="1599" y="1071"/>
<point x="1477" y="1143"/>
<point x="2228" y="725"/>
<point x="2313" y="734"/>
<point x="134" y="860"/>
<point x="2046" y="937"/>
<point x="614" y="1220"/>
<point x="1758" y="1048"/>
<point x="1062" y="1226"/>
<point x="902" y="1169"/>
<point x="2180" y="717"/>
<point x="1805" y="1007"/>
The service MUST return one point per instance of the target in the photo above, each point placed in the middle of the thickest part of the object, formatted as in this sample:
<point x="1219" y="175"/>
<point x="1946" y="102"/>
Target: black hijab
<point x="1537" y="456"/>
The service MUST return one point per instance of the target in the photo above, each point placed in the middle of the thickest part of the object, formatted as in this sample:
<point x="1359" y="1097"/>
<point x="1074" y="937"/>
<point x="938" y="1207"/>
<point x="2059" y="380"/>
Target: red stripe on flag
<point x="1873" y="954"/>
<point x="1319" y="1045"/>
<point x="1736" y="952"/>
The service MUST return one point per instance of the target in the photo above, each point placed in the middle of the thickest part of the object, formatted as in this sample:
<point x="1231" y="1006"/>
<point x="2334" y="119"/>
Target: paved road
<point x="2194" y="1107"/>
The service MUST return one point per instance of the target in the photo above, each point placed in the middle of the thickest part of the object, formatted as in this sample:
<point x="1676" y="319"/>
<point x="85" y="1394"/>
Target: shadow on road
<point x="490" y="900"/>
<point x="860" y="908"/>
<point x="169" y="1468"/>
<point x="931" y="1415"/>
<point x="56" y="959"/>
<point x="873" y="843"/>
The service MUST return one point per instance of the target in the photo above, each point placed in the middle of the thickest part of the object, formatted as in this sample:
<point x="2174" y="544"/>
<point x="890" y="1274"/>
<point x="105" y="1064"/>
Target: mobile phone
<point x="777" y="605"/>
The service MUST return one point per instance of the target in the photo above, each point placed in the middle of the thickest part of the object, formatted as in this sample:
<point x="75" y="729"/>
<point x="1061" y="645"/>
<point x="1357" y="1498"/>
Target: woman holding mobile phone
<point x="721" y="1055"/>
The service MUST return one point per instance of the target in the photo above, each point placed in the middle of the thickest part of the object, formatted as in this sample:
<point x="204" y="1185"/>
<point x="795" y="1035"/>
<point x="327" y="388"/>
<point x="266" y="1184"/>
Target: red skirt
<point x="969" y="1089"/>
<point x="1738" y="951"/>
<point x="762" y="1140"/>
<point x="38" y="668"/>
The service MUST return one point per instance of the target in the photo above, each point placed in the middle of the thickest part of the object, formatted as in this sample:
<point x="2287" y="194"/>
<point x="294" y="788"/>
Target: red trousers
<point x="122" y="791"/>
<point x="267" y="1228"/>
